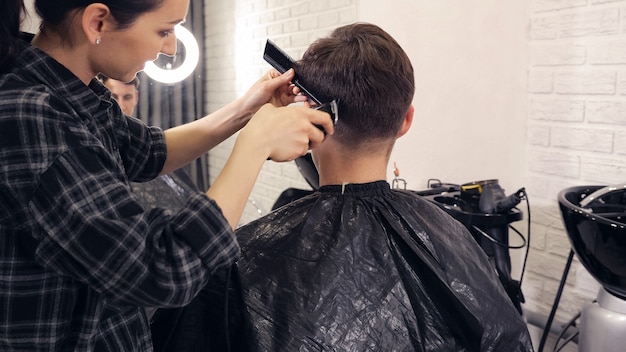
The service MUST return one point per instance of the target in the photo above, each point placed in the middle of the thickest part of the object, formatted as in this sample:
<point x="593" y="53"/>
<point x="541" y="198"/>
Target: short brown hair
<point x="364" y="67"/>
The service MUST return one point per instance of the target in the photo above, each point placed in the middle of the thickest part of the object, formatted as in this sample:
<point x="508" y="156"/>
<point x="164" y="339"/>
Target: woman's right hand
<point x="285" y="133"/>
<point x="277" y="133"/>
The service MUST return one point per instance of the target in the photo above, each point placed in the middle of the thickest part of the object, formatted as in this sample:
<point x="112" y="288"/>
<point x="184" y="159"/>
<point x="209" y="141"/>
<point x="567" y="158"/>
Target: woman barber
<point x="79" y="257"/>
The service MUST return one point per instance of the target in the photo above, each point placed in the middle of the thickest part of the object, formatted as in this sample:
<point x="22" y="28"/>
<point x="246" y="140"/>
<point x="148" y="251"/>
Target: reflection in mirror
<point x="172" y="104"/>
<point x="172" y="69"/>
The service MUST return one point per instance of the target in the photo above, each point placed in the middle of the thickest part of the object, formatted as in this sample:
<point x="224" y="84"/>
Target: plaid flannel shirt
<point x="79" y="256"/>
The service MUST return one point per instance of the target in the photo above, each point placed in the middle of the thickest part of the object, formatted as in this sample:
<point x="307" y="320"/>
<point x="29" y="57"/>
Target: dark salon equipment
<point x="595" y="221"/>
<point x="487" y="212"/>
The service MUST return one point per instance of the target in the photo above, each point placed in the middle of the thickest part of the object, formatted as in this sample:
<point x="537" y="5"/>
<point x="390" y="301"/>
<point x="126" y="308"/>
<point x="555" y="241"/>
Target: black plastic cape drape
<point x="352" y="268"/>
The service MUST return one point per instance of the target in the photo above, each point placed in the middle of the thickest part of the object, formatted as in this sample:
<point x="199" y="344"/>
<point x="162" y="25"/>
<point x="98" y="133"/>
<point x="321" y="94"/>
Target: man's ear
<point x="95" y="18"/>
<point x="408" y="120"/>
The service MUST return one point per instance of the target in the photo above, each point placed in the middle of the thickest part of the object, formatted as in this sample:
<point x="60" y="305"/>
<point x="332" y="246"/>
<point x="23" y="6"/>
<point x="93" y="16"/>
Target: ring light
<point x="192" y="55"/>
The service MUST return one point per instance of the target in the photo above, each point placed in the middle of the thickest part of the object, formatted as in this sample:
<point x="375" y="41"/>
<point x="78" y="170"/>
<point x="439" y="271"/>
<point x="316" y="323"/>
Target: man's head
<point x="125" y="93"/>
<point x="364" y="67"/>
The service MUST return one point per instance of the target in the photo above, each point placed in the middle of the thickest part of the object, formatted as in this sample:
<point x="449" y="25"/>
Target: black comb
<point x="282" y="63"/>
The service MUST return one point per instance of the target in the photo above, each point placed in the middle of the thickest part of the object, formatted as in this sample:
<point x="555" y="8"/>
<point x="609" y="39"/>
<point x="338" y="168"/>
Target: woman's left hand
<point x="272" y="88"/>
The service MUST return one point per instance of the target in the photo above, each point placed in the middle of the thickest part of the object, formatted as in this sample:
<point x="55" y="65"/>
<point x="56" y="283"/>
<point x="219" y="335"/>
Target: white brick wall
<point x="576" y="130"/>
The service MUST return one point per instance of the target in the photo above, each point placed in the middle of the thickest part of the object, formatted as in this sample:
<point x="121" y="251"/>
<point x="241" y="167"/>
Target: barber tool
<point x="331" y="109"/>
<point x="282" y="63"/>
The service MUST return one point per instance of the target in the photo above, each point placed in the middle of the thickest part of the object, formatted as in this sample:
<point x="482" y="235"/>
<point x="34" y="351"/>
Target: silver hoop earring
<point x="98" y="41"/>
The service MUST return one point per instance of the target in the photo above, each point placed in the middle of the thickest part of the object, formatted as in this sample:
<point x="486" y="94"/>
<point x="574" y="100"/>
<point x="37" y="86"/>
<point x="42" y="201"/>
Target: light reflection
<point x="169" y="74"/>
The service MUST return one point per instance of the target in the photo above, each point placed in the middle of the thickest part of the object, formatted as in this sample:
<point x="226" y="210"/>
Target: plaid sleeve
<point x="94" y="230"/>
<point x="142" y="148"/>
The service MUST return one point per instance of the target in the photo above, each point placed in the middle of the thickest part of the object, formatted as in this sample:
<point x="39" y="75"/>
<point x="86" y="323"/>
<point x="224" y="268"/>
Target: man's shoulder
<point x="285" y="211"/>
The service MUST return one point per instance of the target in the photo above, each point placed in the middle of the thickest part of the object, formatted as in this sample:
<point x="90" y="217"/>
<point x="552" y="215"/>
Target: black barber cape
<point x="359" y="267"/>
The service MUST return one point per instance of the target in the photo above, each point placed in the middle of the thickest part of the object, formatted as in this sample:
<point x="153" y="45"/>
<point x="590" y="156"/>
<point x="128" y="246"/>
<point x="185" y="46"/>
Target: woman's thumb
<point x="283" y="79"/>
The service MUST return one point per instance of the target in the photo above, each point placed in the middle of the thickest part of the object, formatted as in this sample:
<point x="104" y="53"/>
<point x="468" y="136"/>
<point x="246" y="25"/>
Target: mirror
<point x="172" y="69"/>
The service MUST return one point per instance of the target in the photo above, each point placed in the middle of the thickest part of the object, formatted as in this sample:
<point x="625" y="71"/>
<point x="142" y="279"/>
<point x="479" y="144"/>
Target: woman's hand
<point x="272" y="88"/>
<point x="277" y="133"/>
<point x="187" y="142"/>
<point x="285" y="133"/>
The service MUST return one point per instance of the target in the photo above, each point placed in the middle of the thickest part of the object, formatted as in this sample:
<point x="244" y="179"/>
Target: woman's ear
<point x="408" y="120"/>
<point x="95" y="18"/>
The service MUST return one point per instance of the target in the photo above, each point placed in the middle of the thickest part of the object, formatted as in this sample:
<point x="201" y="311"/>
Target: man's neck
<point x="341" y="167"/>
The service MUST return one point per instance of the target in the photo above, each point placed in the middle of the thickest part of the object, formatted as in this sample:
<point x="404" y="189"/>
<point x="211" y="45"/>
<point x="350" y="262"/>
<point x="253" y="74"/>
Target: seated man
<point x="357" y="266"/>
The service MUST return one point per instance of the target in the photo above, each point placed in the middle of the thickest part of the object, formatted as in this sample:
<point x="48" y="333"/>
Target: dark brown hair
<point x="364" y="67"/>
<point x="54" y="13"/>
<point x="12" y="13"/>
